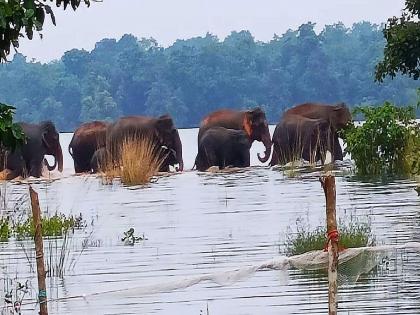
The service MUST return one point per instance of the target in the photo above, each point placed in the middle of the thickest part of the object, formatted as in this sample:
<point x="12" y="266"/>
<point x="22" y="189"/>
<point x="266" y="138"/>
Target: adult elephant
<point x="86" y="140"/>
<point x="160" y="130"/>
<point x="298" y="137"/>
<point x="222" y="147"/>
<point x="338" y="116"/>
<point x="28" y="160"/>
<point x="253" y="122"/>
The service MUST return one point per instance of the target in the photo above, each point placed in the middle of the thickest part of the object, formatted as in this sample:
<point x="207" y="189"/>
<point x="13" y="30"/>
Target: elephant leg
<point x="77" y="168"/>
<point x="337" y="150"/>
<point x="35" y="168"/>
<point x="246" y="160"/>
<point x="15" y="165"/>
<point x="275" y="157"/>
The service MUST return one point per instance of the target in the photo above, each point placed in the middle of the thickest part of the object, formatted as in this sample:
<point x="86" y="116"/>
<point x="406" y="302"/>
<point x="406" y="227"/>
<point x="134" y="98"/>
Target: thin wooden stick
<point x="39" y="250"/>
<point x="328" y="184"/>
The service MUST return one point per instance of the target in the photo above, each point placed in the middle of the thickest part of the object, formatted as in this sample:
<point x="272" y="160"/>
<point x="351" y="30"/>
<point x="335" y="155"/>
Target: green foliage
<point x="402" y="50"/>
<point x="17" y="16"/>
<point x="4" y="229"/>
<point x="57" y="225"/>
<point x="387" y="143"/>
<point x="11" y="134"/>
<point x="192" y="77"/>
<point x="355" y="233"/>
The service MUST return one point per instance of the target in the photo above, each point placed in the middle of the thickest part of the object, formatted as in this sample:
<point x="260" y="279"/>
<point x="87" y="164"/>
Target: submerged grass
<point x="355" y="233"/>
<point x="137" y="162"/>
<point x="55" y="226"/>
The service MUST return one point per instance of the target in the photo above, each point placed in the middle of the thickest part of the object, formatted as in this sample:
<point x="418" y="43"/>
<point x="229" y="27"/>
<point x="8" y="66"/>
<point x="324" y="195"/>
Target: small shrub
<point x="353" y="234"/>
<point x="138" y="161"/>
<point x="4" y="229"/>
<point x="387" y="143"/>
<point x="57" y="225"/>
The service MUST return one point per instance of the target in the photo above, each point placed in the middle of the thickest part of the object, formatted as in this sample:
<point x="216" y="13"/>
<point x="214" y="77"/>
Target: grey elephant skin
<point x="161" y="131"/>
<point x="305" y="122"/>
<point x="28" y="160"/>
<point x="86" y="139"/>
<point x="223" y="147"/>
<point x="301" y="137"/>
<point x="253" y="122"/>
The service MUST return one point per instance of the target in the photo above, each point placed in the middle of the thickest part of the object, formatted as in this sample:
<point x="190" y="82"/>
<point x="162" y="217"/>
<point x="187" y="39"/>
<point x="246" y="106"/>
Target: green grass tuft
<point x="353" y="234"/>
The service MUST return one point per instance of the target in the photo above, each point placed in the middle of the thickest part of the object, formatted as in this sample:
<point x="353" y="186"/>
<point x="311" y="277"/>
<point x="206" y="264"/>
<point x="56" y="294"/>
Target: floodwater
<point x="198" y="224"/>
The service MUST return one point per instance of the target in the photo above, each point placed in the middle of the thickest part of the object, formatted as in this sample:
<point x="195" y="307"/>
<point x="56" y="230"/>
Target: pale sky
<point x="168" y="20"/>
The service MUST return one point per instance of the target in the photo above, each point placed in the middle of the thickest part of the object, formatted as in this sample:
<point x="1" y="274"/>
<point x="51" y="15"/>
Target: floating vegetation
<point x="4" y="229"/>
<point x="355" y="233"/>
<point x="130" y="239"/>
<point x="55" y="226"/>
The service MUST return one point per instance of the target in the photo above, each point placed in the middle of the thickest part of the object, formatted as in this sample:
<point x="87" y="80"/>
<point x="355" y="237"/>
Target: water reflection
<point x="199" y="223"/>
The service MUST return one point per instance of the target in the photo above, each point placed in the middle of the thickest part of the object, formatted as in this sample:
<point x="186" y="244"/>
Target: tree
<point x="11" y="134"/>
<point x="402" y="50"/>
<point x="17" y="16"/>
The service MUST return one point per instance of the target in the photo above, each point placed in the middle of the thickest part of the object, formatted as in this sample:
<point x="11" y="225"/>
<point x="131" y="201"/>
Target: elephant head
<point x="169" y="138"/>
<point x="51" y="142"/>
<point x="340" y="116"/>
<point x="256" y="126"/>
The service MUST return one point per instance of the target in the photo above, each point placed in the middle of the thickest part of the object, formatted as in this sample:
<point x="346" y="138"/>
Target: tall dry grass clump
<point x="135" y="163"/>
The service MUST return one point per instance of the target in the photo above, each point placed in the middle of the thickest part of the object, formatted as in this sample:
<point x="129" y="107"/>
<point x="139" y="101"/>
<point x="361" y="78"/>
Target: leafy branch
<point x="17" y="16"/>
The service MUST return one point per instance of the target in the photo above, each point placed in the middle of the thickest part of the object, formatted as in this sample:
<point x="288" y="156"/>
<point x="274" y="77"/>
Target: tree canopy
<point x="198" y="75"/>
<point x="402" y="49"/>
<point x="19" y="17"/>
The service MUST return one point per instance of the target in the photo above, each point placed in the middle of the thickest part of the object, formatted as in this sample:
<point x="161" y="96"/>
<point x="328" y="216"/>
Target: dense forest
<point x="195" y="76"/>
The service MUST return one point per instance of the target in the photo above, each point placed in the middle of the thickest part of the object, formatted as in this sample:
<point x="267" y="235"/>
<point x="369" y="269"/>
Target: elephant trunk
<point x="266" y="140"/>
<point x="178" y="149"/>
<point x="59" y="158"/>
<point x="49" y="167"/>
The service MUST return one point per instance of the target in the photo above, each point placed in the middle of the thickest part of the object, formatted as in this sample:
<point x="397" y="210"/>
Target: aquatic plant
<point x="354" y="233"/>
<point x="54" y="226"/>
<point x="137" y="162"/>
<point x="4" y="229"/>
<point x="387" y="143"/>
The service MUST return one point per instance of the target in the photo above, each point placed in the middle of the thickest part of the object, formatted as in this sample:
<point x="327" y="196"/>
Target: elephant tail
<point x="70" y="149"/>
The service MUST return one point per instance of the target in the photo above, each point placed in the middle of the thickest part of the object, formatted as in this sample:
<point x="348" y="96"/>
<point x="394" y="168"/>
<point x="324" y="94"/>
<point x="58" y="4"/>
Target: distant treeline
<point x="195" y="76"/>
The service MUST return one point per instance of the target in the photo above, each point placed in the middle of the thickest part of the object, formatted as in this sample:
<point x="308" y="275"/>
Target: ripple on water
<point x="199" y="223"/>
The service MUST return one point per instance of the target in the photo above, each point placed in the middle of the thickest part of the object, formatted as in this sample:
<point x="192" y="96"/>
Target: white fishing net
<point x="352" y="262"/>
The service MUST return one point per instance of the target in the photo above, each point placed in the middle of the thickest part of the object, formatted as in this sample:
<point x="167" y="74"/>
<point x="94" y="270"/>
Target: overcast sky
<point x="168" y="20"/>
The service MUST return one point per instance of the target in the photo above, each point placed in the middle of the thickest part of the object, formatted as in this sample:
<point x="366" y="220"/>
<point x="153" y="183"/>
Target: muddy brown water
<point x="198" y="224"/>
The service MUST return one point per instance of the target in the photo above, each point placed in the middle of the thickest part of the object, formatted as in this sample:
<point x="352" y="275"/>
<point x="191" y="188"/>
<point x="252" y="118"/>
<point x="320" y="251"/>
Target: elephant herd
<point x="225" y="137"/>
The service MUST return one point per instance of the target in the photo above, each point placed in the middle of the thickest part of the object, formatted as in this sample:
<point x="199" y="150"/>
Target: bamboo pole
<point x="39" y="250"/>
<point x="328" y="184"/>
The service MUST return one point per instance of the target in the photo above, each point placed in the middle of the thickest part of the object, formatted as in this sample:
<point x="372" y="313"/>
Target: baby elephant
<point x="223" y="147"/>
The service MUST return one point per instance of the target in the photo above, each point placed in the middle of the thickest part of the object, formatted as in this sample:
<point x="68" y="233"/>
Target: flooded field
<point x="198" y="224"/>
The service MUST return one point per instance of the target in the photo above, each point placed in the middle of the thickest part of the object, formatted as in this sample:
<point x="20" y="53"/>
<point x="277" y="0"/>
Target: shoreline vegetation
<point x="132" y="76"/>
<point x="387" y="143"/>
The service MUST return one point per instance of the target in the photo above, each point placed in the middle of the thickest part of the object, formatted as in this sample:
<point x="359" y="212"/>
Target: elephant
<point x="98" y="160"/>
<point x="161" y="130"/>
<point x="253" y="122"/>
<point x="223" y="147"/>
<point x="28" y="160"/>
<point x="297" y="137"/>
<point x="86" y="140"/>
<point x="338" y="116"/>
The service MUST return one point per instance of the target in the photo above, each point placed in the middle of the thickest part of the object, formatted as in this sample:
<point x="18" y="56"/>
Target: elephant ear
<point x="164" y="122"/>
<point x="164" y="125"/>
<point x="255" y="115"/>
